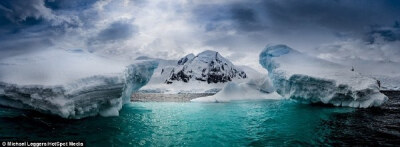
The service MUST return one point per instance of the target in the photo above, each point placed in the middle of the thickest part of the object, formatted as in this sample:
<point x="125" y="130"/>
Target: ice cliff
<point x="312" y="80"/>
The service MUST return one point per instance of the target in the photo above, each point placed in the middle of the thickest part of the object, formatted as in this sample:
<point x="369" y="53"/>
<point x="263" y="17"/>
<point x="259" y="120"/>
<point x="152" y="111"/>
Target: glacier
<point x="309" y="79"/>
<point x="84" y="89"/>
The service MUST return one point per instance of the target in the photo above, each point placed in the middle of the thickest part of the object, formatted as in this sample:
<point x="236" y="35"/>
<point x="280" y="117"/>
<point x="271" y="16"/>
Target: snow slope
<point x="388" y="82"/>
<point x="309" y="79"/>
<point x="254" y="89"/>
<point x="70" y="85"/>
<point x="386" y="71"/>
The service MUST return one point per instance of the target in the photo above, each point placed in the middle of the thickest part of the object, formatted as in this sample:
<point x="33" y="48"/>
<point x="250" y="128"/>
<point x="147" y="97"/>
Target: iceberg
<point x="102" y="93"/>
<point x="90" y="96"/>
<point x="313" y="80"/>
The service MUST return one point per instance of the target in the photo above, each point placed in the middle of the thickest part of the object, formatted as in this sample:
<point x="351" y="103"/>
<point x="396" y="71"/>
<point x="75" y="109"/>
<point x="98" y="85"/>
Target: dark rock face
<point x="208" y="66"/>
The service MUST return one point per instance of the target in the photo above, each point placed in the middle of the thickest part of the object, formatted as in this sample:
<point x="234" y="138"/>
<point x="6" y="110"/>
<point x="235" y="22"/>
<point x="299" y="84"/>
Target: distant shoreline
<point x="162" y="97"/>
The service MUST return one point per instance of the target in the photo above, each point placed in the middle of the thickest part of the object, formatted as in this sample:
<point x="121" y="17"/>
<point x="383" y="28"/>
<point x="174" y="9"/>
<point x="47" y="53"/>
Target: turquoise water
<point x="242" y="123"/>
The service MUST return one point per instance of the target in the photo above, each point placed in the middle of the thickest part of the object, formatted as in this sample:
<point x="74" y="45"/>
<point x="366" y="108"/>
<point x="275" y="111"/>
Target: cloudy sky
<point x="352" y="32"/>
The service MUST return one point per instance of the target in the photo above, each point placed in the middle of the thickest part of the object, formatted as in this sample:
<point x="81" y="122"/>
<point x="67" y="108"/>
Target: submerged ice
<point x="80" y="93"/>
<point x="312" y="80"/>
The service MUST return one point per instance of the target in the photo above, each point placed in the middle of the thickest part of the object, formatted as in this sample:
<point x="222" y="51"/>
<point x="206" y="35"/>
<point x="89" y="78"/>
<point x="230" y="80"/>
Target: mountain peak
<point x="209" y="53"/>
<point x="185" y="59"/>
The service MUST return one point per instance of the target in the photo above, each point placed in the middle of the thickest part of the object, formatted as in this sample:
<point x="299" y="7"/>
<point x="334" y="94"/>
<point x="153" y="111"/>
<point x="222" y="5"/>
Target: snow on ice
<point x="70" y="84"/>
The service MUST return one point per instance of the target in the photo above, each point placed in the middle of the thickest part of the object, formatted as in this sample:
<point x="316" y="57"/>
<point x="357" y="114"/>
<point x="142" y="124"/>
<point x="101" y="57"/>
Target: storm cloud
<point x="343" y="31"/>
<point x="116" y="31"/>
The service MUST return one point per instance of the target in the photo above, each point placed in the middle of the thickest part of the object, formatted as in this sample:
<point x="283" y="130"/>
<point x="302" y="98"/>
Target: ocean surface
<point x="241" y="123"/>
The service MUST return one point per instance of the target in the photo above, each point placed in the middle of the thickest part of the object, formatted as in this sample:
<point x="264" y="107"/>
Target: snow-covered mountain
<point x="206" y="72"/>
<point x="208" y="66"/>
